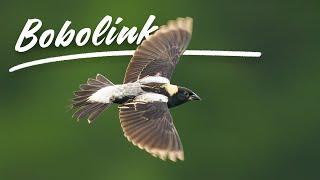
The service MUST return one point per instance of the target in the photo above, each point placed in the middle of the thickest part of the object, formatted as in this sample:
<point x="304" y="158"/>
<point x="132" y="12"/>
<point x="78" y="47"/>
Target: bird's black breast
<point x="123" y="100"/>
<point x="173" y="101"/>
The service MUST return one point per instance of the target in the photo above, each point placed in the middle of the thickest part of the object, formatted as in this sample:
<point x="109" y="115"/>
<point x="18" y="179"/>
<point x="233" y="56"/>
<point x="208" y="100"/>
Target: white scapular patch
<point x="104" y="95"/>
<point x="151" y="97"/>
<point x="171" y="89"/>
<point x="154" y="79"/>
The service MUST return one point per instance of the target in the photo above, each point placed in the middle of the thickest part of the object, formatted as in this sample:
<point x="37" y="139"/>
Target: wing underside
<point x="159" y="54"/>
<point x="149" y="125"/>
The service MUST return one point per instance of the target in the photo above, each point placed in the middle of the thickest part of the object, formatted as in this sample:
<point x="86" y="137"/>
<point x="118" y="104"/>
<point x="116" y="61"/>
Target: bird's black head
<point x="183" y="95"/>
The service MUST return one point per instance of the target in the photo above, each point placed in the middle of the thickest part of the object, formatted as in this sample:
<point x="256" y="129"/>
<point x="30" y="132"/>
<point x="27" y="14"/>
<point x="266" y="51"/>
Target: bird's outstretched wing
<point x="148" y="124"/>
<point x="159" y="54"/>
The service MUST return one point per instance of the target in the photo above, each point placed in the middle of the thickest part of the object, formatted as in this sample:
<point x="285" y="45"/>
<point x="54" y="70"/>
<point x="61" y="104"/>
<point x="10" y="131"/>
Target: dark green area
<point x="259" y="118"/>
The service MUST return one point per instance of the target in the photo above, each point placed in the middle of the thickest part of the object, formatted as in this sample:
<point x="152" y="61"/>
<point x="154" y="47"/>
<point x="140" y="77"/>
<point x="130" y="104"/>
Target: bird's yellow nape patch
<point x="171" y="89"/>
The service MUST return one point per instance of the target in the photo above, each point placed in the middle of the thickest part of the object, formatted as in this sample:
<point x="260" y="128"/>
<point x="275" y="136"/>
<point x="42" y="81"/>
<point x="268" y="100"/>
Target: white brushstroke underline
<point x="129" y="53"/>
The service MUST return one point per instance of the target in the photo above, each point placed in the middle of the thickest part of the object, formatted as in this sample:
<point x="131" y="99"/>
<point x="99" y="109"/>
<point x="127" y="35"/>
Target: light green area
<point x="259" y="118"/>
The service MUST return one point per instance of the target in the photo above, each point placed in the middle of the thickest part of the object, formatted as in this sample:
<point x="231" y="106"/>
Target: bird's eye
<point x="186" y="93"/>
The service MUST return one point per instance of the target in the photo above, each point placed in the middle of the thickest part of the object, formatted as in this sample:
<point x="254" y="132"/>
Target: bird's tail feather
<point x="85" y="108"/>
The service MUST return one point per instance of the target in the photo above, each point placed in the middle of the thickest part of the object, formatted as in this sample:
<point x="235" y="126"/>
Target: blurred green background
<point x="259" y="118"/>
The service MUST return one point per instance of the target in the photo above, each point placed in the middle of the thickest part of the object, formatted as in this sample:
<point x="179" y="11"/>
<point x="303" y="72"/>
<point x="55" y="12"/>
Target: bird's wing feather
<point x="160" y="52"/>
<point x="148" y="124"/>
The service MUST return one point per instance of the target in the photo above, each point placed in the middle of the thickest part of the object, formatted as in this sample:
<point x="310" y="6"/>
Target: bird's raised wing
<point x="159" y="54"/>
<point x="148" y="124"/>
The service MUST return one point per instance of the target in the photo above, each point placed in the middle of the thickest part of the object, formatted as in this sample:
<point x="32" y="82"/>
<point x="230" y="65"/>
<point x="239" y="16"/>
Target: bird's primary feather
<point x="159" y="54"/>
<point x="149" y="126"/>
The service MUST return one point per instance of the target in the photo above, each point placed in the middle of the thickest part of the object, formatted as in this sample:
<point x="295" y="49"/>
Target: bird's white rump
<point x="104" y="95"/>
<point x="109" y="93"/>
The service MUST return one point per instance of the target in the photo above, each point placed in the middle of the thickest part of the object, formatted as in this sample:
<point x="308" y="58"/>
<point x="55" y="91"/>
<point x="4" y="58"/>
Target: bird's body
<point x="146" y="95"/>
<point x="124" y="93"/>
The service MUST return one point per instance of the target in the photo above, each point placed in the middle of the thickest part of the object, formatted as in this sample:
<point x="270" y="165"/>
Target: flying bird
<point x="146" y="94"/>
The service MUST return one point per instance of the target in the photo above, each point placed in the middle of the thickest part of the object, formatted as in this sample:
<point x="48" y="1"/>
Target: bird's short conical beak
<point x="194" y="97"/>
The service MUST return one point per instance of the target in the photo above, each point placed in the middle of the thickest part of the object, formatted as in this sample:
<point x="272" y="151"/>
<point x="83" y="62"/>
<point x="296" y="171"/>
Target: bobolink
<point x="146" y="94"/>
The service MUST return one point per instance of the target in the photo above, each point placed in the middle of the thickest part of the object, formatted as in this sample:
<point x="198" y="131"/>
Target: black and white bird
<point x="146" y="94"/>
